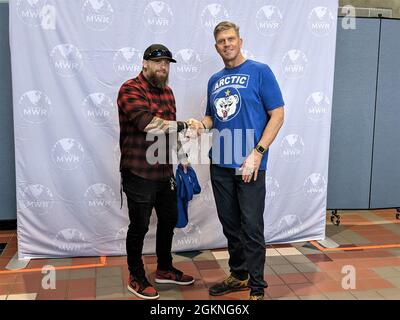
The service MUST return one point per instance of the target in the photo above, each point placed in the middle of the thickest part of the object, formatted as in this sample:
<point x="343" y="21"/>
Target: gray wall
<point x="365" y="149"/>
<point x="7" y="158"/>
<point x="353" y="108"/>
<point x="385" y="189"/>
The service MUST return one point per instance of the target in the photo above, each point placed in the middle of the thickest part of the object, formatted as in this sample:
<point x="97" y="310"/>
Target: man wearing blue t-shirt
<point x="245" y="111"/>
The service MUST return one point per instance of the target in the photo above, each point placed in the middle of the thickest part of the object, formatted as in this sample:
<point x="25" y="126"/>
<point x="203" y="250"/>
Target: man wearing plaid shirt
<point x="147" y="112"/>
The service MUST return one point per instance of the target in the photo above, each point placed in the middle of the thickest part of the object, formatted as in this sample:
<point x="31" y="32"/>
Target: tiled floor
<point x="293" y="271"/>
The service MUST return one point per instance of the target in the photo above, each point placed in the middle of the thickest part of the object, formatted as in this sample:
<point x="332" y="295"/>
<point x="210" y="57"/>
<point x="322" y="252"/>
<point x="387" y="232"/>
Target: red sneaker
<point x="173" y="276"/>
<point x="142" y="288"/>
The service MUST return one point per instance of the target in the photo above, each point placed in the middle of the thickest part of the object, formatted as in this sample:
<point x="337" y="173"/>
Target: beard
<point x="158" y="80"/>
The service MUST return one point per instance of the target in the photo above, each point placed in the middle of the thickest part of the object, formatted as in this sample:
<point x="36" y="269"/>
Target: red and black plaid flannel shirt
<point x="138" y="103"/>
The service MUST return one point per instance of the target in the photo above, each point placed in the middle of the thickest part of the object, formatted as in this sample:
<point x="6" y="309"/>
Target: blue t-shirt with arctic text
<point x="239" y="99"/>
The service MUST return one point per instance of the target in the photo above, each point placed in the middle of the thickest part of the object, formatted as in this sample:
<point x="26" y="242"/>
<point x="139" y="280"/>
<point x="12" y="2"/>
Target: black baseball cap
<point x="158" y="51"/>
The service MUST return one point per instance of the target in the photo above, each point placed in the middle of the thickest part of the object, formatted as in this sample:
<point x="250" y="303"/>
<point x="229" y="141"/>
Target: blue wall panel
<point x="385" y="189"/>
<point x="7" y="157"/>
<point x="353" y="115"/>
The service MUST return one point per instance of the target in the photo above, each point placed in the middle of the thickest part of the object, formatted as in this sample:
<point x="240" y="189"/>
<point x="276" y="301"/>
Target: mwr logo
<point x="269" y="20"/>
<point x="34" y="107"/>
<point x="188" y="66"/>
<point x="120" y="239"/>
<point x="97" y="14"/>
<point x="70" y="240"/>
<point x="212" y="14"/>
<point x="294" y="64"/>
<point x="157" y="17"/>
<point x="67" y="59"/>
<point x="248" y="54"/>
<point x="127" y="62"/>
<point x="99" y="198"/>
<point x="187" y="237"/>
<point x="272" y="188"/>
<point x="289" y="226"/>
<point x="67" y="154"/>
<point x="36" y="197"/>
<point x="315" y="184"/>
<point x="98" y="108"/>
<point x="317" y="106"/>
<point x="321" y="21"/>
<point x="292" y="148"/>
<point x="36" y="13"/>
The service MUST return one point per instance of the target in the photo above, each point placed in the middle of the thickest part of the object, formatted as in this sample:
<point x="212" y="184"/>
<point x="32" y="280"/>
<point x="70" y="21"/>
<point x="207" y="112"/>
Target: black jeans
<point x="144" y="195"/>
<point x="240" y="209"/>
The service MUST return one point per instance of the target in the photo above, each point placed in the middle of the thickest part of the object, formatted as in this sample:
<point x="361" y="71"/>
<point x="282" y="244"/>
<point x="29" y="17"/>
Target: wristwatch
<point x="260" y="149"/>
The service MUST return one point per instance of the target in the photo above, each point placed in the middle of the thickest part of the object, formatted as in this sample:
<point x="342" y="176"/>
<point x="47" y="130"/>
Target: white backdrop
<point x="69" y="59"/>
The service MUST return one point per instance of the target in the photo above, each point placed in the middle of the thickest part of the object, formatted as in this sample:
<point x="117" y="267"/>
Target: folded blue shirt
<point x="186" y="186"/>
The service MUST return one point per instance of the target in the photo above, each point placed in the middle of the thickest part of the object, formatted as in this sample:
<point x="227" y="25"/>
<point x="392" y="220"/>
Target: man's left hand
<point x="250" y="166"/>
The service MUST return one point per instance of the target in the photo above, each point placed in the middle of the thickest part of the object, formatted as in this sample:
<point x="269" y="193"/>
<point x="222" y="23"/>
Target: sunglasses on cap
<point x="159" y="53"/>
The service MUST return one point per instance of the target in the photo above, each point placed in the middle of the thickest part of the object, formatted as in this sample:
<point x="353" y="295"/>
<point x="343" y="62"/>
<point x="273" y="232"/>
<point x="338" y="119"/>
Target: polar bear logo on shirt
<point x="226" y="106"/>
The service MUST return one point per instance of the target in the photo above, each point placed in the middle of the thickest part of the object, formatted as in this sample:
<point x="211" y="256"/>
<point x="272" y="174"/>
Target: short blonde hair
<point x="225" y="25"/>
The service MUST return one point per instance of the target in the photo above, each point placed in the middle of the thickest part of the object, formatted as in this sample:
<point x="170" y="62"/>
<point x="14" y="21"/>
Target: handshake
<point x="195" y="127"/>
